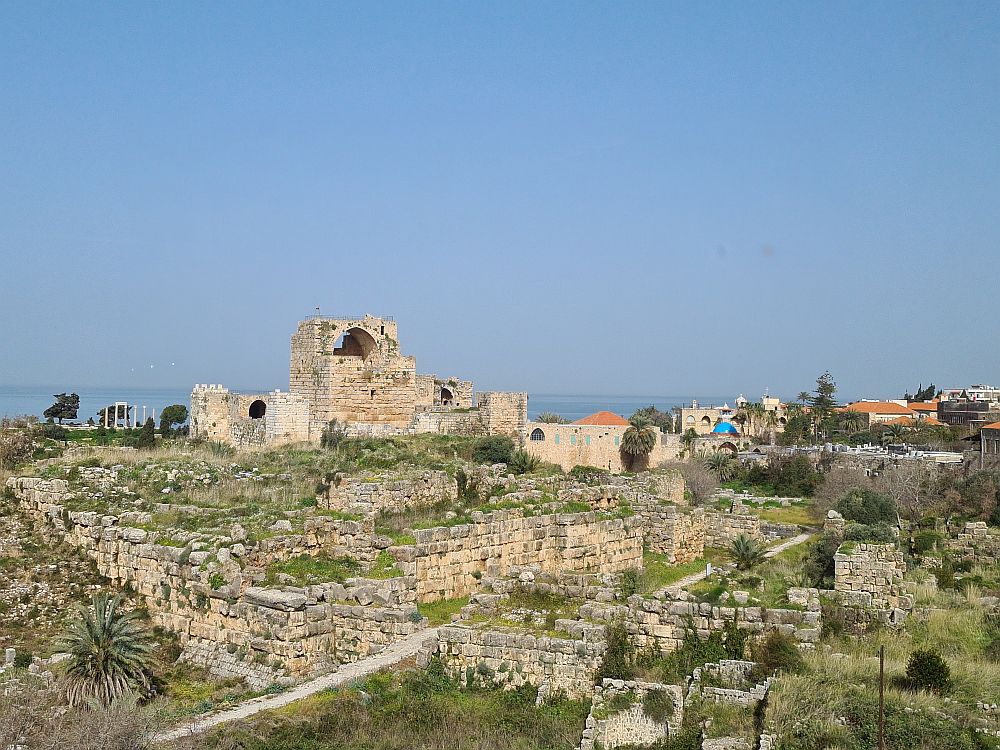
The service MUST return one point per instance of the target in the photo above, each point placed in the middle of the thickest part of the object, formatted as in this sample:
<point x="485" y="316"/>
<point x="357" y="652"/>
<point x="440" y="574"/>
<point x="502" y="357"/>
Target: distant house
<point x="878" y="412"/>
<point x="924" y="409"/>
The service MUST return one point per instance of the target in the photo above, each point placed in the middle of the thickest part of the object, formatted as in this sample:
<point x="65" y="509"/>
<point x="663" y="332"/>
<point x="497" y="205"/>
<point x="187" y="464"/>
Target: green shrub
<point x="926" y="670"/>
<point x="522" y="462"/>
<point x="877" y="534"/>
<point x="776" y="653"/>
<point x="216" y="581"/>
<point x="658" y="705"/>
<point x="867" y="507"/>
<point x="628" y="583"/>
<point x="747" y="552"/>
<point x="926" y="540"/>
<point x="619" y="656"/>
<point x="495" y="449"/>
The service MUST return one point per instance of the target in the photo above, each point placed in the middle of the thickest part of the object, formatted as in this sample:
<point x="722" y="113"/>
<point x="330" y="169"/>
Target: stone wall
<point x="249" y="420"/>
<point x="448" y="561"/>
<point x="976" y="541"/>
<point x="727" y="681"/>
<point x="721" y="527"/>
<point x="448" y="421"/>
<point x="388" y="492"/>
<point x="663" y="621"/>
<point x="630" y="726"/>
<point x="503" y="413"/>
<point x="870" y="576"/>
<point x="443" y="392"/>
<point x="514" y="658"/>
<point x="677" y="533"/>
<point x="206" y="594"/>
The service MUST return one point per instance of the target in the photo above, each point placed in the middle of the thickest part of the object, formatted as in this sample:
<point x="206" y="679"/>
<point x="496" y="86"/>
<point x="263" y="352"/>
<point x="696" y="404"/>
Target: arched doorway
<point x="447" y="397"/>
<point x="257" y="410"/>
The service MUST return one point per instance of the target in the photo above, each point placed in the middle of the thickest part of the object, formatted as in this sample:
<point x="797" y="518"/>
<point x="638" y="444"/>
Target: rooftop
<point x="878" y="407"/>
<point x="605" y="419"/>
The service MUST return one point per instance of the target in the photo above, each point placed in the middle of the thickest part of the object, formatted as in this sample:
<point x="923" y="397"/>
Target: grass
<point x="384" y="567"/>
<point x="658" y="573"/>
<point x="440" y="612"/>
<point x="306" y="570"/>
<point x="800" y="514"/>
<point x="415" y="710"/>
<point x="842" y="681"/>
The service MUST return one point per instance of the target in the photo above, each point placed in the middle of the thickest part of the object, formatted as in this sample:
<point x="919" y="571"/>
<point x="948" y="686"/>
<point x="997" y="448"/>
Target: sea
<point x="16" y="401"/>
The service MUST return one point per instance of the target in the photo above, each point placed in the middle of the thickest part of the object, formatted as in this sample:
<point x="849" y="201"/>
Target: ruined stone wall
<point x="721" y="527"/>
<point x="448" y="561"/>
<point x="664" y="621"/>
<point x="630" y="726"/>
<point x="503" y="413"/>
<point x="210" y="413"/>
<point x="449" y="422"/>
<point x="451" y="392"/>
<point x="367" y="380"/>
<point x="386" y="493"/>
<point x="513" y="659"/>
<point x="279" y="630"/>
<point x="249" y="420"/>
<point x="976" y="541"/>
<point x="870" y="576"/>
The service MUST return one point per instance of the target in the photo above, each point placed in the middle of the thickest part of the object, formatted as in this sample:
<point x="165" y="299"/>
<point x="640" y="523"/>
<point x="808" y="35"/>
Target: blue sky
<point x="557" y="197"/>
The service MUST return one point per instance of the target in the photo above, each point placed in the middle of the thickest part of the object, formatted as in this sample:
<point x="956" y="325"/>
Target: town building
<point x="989" y="441"/>
<point x="704" y="419"/>
<point x="880" y="412"/>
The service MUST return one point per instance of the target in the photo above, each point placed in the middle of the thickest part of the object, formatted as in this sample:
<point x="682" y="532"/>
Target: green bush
<point x="926" y="670"/>
<point x="818" y="564"/>
<point x="522" y="462"/>
<point x="861" y="532"/>
<point x="628" y="583"/>
<point x="776" y="653"/>
<point x="926" y="540"/>
<point x="658" y="705"/>
<point x="619" y="656"/>
<point x="867" y="507"/>
<point x="495" y="449"/>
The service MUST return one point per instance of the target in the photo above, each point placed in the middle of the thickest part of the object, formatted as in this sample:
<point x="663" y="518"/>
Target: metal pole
<point x="881" y="697"/>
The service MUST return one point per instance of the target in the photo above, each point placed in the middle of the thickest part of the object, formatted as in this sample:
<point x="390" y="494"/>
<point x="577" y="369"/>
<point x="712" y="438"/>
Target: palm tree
<point x="688" y="438"/>
<point x="852" y="421"/>
<point x="747" y="552"/>
<point x="722" y="464"/>
<point x="897" y="432"/>
<point x="108" y="654"/>
<point x="638" y="442"/>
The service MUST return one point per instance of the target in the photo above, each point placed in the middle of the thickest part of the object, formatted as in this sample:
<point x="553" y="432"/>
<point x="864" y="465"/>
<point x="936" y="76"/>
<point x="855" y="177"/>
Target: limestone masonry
<point x="352" y="372"/>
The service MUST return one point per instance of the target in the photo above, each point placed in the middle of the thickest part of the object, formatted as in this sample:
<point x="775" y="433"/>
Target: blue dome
<point x="725" y="428"/>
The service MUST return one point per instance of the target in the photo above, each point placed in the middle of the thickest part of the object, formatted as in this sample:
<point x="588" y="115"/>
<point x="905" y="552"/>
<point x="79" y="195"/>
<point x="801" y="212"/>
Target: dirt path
<point x="394" y="654"/>
<point x="775" y="550"/>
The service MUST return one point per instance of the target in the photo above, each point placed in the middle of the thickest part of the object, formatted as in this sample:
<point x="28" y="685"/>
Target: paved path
<point x="776" y="549"/>
<point x="389" y="656"/>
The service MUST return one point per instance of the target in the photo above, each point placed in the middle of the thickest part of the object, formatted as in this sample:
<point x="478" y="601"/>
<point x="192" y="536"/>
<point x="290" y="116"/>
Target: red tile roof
<point x="878" y="407"/>
<point x="924" y="406"/>
<point x="605" y="419"/>
<point x="993" y="426"/>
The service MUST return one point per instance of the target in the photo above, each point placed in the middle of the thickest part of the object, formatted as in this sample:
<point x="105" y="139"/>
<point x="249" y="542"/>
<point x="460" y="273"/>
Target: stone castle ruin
<point x="352" y="371"/>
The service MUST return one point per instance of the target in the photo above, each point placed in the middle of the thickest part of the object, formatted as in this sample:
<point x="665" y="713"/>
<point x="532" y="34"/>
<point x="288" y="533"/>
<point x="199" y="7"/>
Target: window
<point x="617" y="440"/>
<point x="690" y="419"/>
<point x="557" y="439"/>
<point x="537" y="435"/>
<point x="572" y="439"/>
<point x="587" y="440"/>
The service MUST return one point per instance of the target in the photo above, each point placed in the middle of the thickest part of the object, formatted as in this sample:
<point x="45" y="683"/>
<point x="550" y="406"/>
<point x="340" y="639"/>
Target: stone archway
<point x="730" y="447"/>
<point x="257" y="410"/>
<point x="447" y="398"/>
<point x="355" y="342"/>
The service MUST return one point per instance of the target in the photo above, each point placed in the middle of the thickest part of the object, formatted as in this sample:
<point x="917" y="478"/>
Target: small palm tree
<point x="638" y="442"/>
<point x="722" y="464"/>
<point x="108" y="654"/>
<point x="552" y="418"/>
<point x="747" y="552"/>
